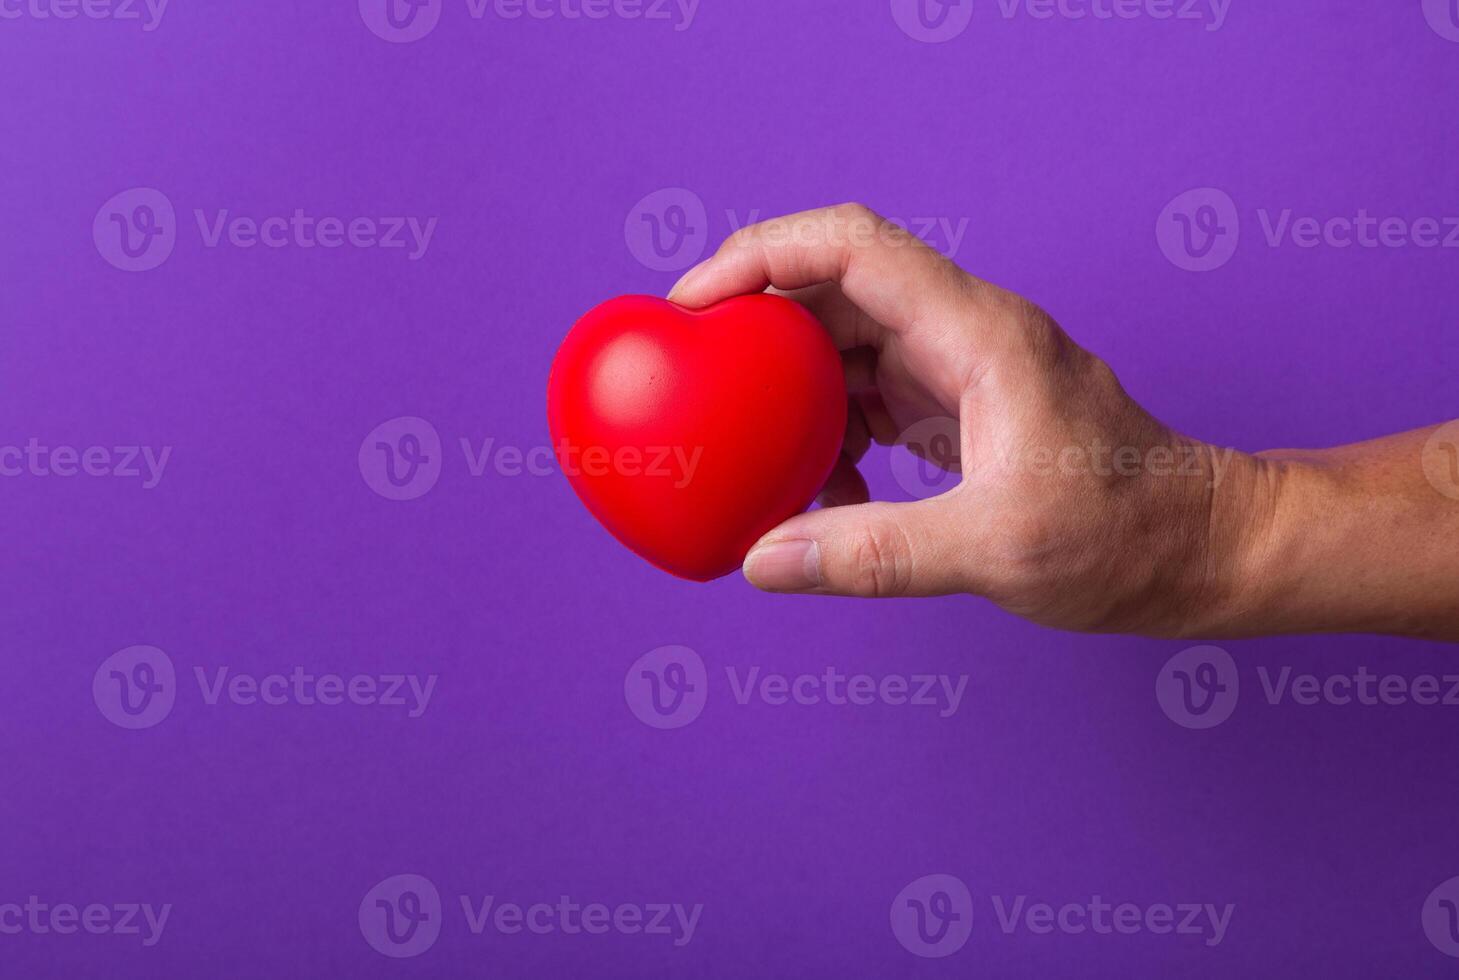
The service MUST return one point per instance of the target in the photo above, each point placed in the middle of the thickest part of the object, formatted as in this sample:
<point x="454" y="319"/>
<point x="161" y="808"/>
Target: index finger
<point x="893" y="276"/>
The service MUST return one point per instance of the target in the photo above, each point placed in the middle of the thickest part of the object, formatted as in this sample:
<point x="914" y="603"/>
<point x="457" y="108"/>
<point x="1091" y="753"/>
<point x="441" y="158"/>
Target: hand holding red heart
<point x="920" y="338"/>
<point x="1076" y="508"/>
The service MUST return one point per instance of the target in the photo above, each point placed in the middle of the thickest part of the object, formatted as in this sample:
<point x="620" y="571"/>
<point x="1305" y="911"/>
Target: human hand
<point x="1076" y="508"/>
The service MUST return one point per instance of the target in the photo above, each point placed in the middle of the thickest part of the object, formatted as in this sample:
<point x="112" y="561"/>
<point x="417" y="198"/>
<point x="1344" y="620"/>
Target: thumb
<point x="872" y="550"/>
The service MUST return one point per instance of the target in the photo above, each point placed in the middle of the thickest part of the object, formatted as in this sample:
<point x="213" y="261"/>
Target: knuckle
<point x="1040" y="335"/>
<point x="1038" y="355"/>
<point x="857" y="222"/>
<point x="1101" y="375"/>
<point x="1025" y="549"/>
<point x="852" y="211"/>
<point x="856" y="228"/>
<point x="1041" y="565"/>
<point x="881" y="563"/>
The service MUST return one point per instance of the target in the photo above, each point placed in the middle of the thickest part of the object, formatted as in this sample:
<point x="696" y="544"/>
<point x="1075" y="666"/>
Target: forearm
<point x="1354" y="539"/>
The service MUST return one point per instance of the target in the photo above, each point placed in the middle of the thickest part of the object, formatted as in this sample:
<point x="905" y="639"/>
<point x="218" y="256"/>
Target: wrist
<point x="1246" y="509"/>
<point x="1202" y="535"/>
<point x="1236" y="533"/>
<point x="1294" y="550"/>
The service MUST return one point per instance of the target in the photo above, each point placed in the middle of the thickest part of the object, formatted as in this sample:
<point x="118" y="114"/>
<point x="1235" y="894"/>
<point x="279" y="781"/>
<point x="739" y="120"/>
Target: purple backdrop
<point x="432" y="663"/>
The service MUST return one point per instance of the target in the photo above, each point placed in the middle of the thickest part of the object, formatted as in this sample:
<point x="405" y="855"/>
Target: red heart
<point x="689" y="434"/>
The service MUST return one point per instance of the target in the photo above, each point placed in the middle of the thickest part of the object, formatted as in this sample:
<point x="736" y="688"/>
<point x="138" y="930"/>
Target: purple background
<point x="528" y="777"/>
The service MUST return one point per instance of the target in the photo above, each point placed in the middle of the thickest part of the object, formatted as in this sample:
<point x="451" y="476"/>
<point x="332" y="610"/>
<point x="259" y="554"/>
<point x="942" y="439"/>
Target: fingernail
<point x="687" y="279"/>
<point x="785" y="566"/>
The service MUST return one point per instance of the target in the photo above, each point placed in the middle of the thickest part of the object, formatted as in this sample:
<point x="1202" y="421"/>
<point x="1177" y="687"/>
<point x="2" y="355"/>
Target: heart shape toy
<point x="690" y="433"/>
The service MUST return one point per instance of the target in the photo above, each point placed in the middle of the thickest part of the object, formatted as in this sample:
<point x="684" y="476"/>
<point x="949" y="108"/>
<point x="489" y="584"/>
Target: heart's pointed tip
<point x="697" y="576"/>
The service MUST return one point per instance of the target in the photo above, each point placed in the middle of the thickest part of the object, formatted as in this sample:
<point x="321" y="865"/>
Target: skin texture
<point x="1077" y="509"/>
